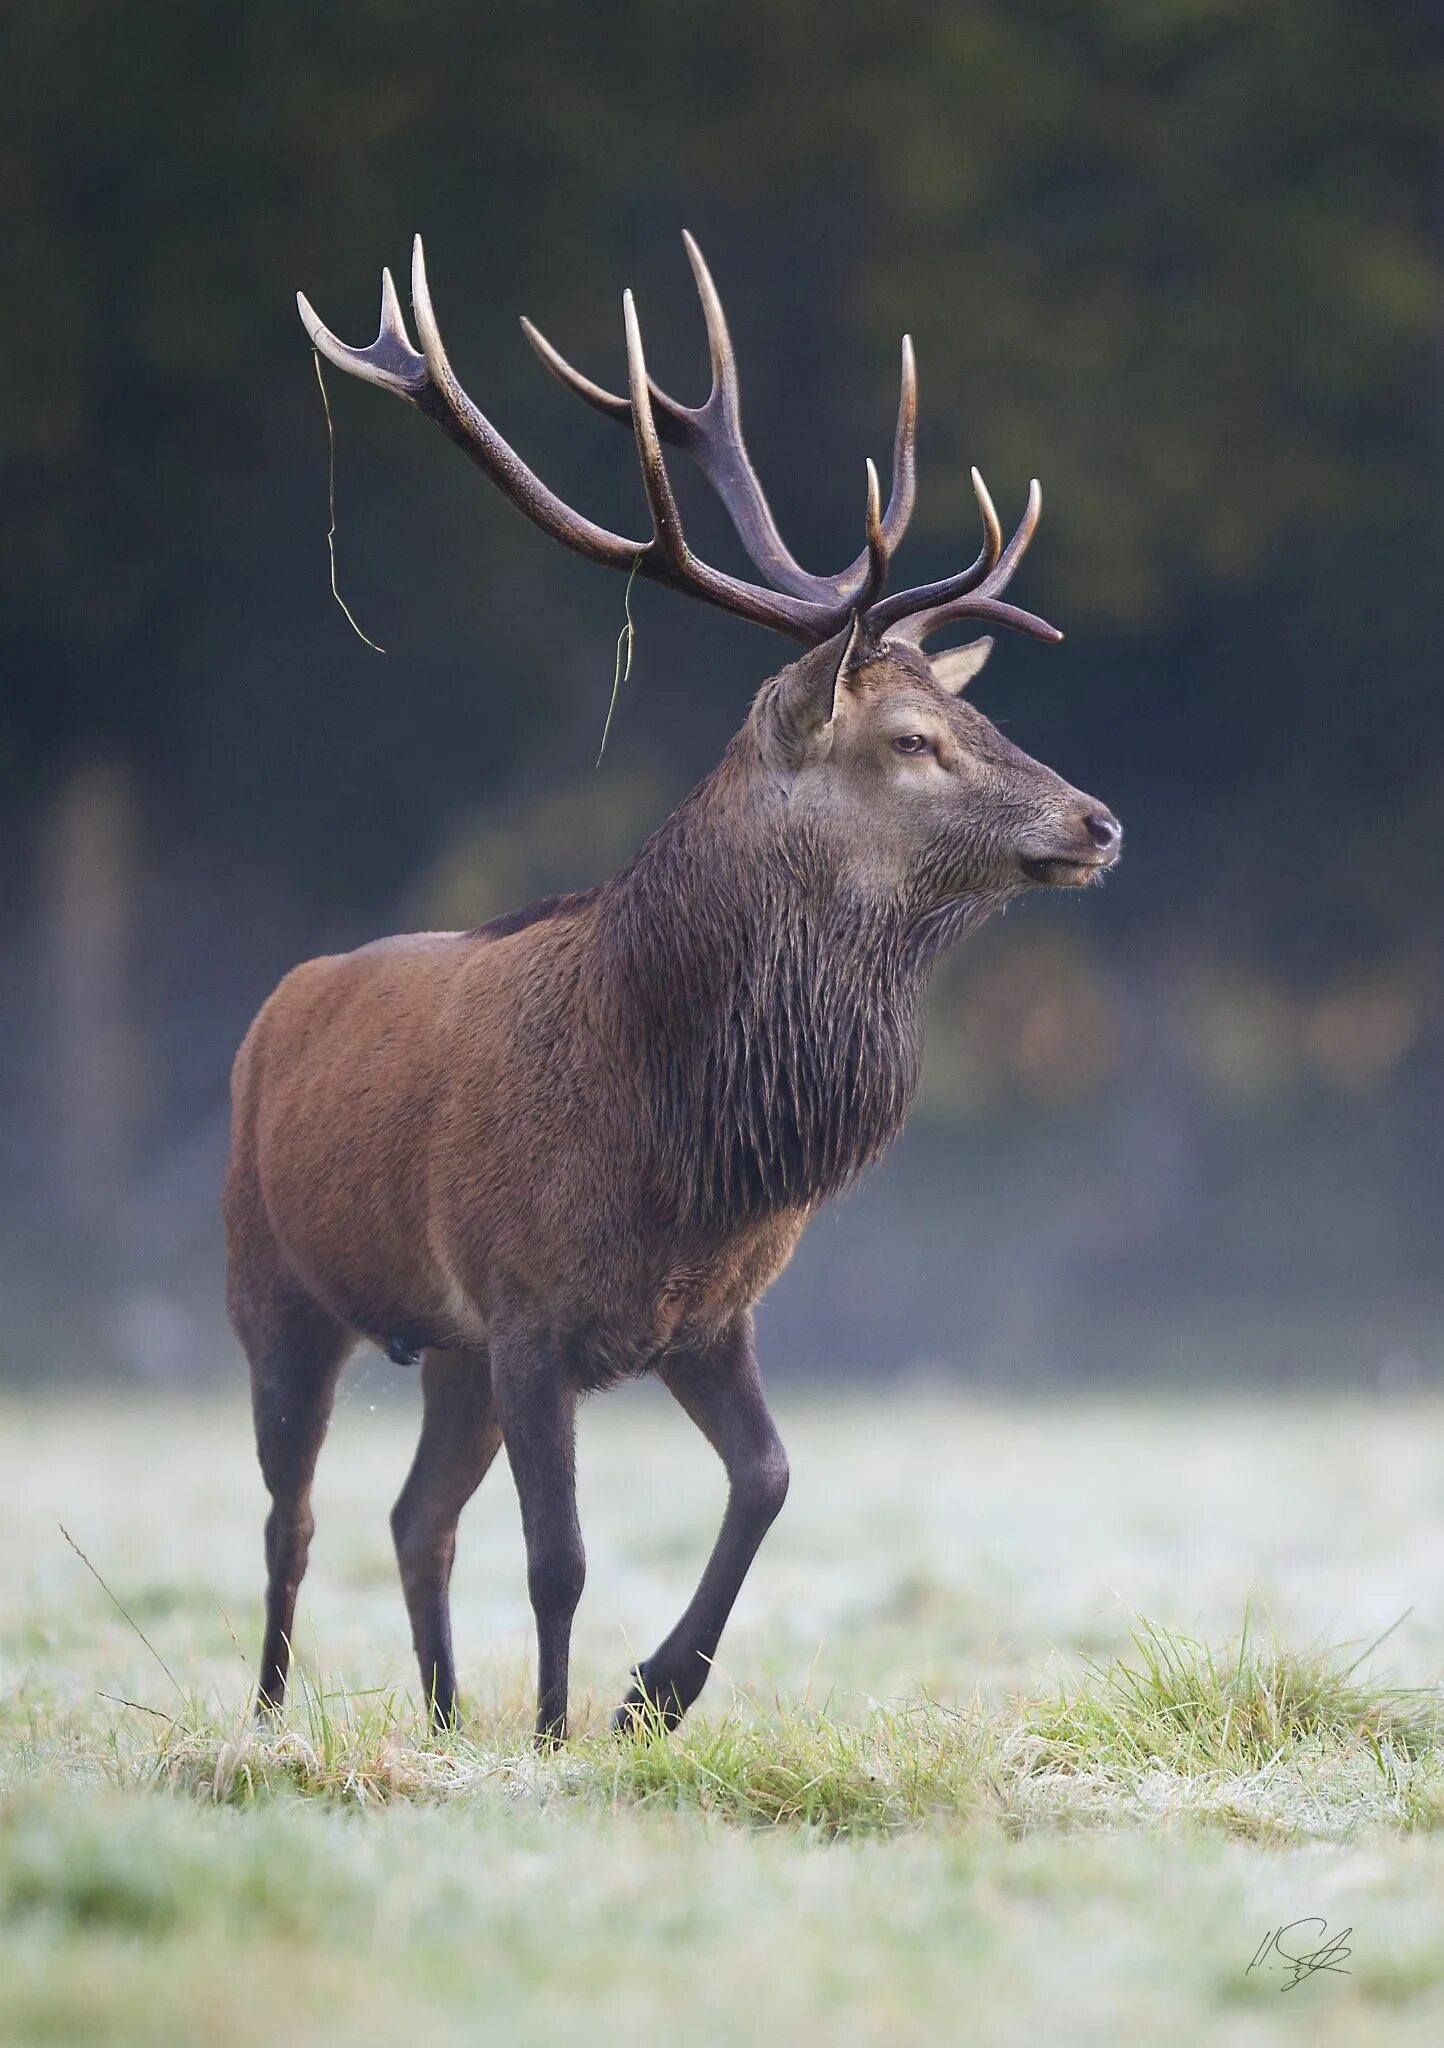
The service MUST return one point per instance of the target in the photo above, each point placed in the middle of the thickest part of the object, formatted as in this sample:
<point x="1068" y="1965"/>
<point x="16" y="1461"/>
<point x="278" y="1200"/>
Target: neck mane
<point x="778" y="1013"/>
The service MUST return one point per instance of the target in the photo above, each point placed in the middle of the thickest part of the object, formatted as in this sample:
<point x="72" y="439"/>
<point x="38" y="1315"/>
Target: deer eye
<point x="912" y="743"/>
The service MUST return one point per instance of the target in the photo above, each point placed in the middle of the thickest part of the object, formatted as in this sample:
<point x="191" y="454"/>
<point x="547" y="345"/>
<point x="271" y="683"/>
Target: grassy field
<point x="946" y="1784"/>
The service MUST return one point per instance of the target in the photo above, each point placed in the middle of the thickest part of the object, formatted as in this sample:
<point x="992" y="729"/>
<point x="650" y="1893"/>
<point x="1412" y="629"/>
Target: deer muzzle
<point x="1077" y="853"/>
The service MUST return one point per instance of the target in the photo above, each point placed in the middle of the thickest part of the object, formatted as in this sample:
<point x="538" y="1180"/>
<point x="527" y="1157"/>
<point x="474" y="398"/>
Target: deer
<point x="576" y="1145"/>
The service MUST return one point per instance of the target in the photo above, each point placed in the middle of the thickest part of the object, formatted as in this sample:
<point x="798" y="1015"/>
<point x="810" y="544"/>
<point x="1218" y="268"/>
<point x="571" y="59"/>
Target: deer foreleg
<point x="721" y="1390"/>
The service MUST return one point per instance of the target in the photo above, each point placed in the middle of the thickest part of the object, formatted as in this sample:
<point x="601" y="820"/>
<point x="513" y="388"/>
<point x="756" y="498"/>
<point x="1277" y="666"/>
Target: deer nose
<point x="1104" y="830"/>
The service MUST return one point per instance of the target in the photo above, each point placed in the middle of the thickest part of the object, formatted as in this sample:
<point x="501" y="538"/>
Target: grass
<point x="949" y="1783"/>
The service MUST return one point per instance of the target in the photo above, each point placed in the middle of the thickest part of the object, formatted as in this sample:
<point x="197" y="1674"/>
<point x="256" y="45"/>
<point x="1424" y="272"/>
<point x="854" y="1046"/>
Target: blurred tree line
<point x="1180" y="258"/>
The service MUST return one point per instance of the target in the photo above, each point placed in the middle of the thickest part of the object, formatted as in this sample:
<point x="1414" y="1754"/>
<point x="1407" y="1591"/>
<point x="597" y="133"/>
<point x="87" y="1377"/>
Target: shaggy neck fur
<point x="779" y="1015"/>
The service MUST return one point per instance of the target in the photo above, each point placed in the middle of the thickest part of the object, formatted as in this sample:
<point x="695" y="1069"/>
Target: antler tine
<point x="992" y="524"/>
<point x="904" y="451"/>
<point x="676" y="422"/>
<point x="591" y="394"/>
<point x="878" y="551"/>
<point x="666" y="518"/>
<point x="725" y="390"/>
<point x="914" y="614"/>
<point x="390" y="361"/>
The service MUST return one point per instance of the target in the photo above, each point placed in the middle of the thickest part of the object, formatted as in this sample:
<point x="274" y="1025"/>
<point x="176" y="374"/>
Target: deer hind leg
<point x="460" y="1436"/>
<point x="536" y="1401"/>
<point x="721" y="1390"/>
<point x="296" y="1350"/>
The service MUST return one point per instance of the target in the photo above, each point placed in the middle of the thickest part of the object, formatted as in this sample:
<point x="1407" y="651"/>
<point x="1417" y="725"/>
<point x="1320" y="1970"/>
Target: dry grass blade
<point x="331" y="502"/>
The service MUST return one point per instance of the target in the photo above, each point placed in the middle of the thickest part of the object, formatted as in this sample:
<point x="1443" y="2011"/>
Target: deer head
<point x="882" y="766"/>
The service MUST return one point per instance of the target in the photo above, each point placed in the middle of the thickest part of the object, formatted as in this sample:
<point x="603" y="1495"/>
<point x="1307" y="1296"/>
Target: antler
<point x="912" y="615"/>
<point x="711" y="434"/>
<point x="804" y="606"/>
<point x="428" y="381"/>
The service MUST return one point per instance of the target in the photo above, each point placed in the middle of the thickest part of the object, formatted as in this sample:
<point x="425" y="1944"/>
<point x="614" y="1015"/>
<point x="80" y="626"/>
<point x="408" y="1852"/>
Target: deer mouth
<point x="1059" y="872"/>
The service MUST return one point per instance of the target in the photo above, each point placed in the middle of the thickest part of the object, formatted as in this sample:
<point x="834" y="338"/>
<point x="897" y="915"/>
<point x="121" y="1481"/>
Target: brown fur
<point x="577" y="1144"/>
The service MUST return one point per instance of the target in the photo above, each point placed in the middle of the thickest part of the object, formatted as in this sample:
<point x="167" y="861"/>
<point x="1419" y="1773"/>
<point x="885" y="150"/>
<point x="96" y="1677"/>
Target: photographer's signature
<point x="1300" y="1948"/>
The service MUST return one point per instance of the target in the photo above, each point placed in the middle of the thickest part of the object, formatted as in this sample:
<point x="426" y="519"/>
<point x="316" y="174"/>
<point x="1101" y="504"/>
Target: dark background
<point x="1180" y="258"/>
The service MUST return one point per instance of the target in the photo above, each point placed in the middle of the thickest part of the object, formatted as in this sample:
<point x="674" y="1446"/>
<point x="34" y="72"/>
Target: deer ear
<point x="955" y="669"/>
<point x="794" y="712"/>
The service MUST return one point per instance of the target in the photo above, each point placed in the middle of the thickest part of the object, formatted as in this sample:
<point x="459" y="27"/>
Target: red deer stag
<point x="577" y="1144"/>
